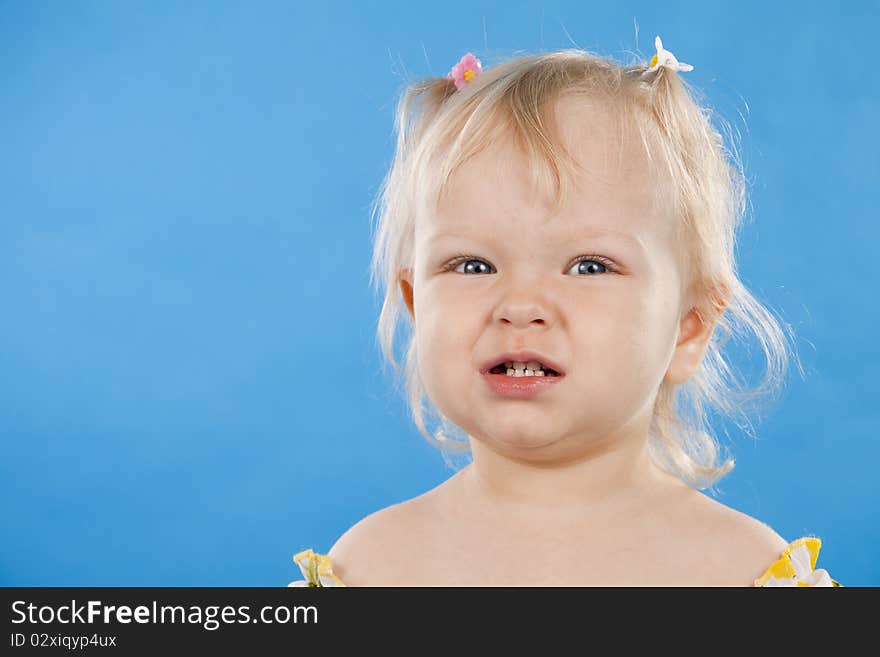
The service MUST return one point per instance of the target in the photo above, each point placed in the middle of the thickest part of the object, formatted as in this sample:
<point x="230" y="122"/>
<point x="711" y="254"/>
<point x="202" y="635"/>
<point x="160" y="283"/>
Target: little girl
<point x="561" y="232"/>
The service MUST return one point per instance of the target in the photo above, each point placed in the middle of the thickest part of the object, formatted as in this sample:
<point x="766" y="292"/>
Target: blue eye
<point x="474" y="265"/>
<point x="590" y="268"/>
<point x="468" y="263"/>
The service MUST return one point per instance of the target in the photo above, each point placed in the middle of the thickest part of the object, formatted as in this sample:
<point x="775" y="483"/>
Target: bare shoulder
<point x="740" y="546"/>
<point x="375" y="550"/>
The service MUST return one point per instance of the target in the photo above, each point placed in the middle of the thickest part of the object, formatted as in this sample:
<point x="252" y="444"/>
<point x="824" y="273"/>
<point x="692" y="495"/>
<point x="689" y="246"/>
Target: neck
<point x="602" y="478"/>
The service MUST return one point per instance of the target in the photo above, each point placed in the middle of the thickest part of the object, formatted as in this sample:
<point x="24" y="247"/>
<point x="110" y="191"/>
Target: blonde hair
<point x="438" y="128"/>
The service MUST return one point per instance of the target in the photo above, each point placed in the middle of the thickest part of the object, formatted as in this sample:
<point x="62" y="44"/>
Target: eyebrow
<point x="587" y="233"/>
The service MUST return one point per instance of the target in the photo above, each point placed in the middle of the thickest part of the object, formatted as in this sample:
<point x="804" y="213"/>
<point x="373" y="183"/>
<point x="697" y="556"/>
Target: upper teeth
<point x="521" y="368"/>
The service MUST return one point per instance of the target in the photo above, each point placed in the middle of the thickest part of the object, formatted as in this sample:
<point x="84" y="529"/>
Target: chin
<point x="521" y="439"/>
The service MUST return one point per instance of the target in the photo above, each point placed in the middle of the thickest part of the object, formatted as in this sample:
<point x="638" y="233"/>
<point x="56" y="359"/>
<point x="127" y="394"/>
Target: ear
<point x="694" y="333"/>
<point x="405" y="279"/>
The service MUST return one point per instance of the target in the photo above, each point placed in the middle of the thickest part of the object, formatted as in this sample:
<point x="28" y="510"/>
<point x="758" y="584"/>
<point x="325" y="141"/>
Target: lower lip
<point x="521" y="387"/>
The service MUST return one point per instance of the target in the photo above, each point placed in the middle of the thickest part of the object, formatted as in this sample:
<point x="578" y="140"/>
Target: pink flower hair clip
<point x="466" y="71"/>
<point x="666" y="59"/>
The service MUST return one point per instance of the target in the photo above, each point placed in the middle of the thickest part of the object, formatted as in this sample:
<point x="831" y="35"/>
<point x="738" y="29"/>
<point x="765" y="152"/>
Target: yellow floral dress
<point x="795" y="567"/>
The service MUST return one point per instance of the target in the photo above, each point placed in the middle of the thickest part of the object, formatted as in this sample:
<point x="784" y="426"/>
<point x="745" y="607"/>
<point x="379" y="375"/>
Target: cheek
<point x="625" y="340"/>
<point x="652" y="346"/>
<point x="444" y="336"/>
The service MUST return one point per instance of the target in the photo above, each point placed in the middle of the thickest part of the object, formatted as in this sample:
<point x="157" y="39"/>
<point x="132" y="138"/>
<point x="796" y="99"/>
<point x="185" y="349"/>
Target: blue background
<point x="190" y="387"/>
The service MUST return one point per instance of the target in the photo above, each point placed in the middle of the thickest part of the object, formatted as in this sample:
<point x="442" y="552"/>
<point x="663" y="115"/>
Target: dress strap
<point x="797" y="566"/>
<point x="316" y="568"/>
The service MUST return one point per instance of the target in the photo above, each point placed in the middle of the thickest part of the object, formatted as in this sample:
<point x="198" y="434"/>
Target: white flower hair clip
<point x="667" y="59"/>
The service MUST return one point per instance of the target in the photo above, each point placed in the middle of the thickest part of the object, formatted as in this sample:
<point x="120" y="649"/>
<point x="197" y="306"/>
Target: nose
<point x="522" y="314"/>
<point x="526" y="298"/>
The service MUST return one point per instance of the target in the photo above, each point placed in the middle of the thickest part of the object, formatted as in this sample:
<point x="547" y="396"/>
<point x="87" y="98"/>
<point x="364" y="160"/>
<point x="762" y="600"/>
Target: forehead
<point x="616" y="188"/>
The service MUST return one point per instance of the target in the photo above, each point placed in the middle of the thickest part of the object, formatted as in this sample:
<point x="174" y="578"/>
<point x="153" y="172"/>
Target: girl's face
<point x="597" y="289"/>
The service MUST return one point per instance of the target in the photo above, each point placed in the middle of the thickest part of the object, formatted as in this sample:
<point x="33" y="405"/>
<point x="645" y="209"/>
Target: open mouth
<point x="501" y="368"/>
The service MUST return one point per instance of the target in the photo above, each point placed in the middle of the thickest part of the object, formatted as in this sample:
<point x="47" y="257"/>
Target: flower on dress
<point x="316" y="568"/>
<point x="796" y="566"/>
<point x="466" y="71"/>
<point x="667" y="59"/>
